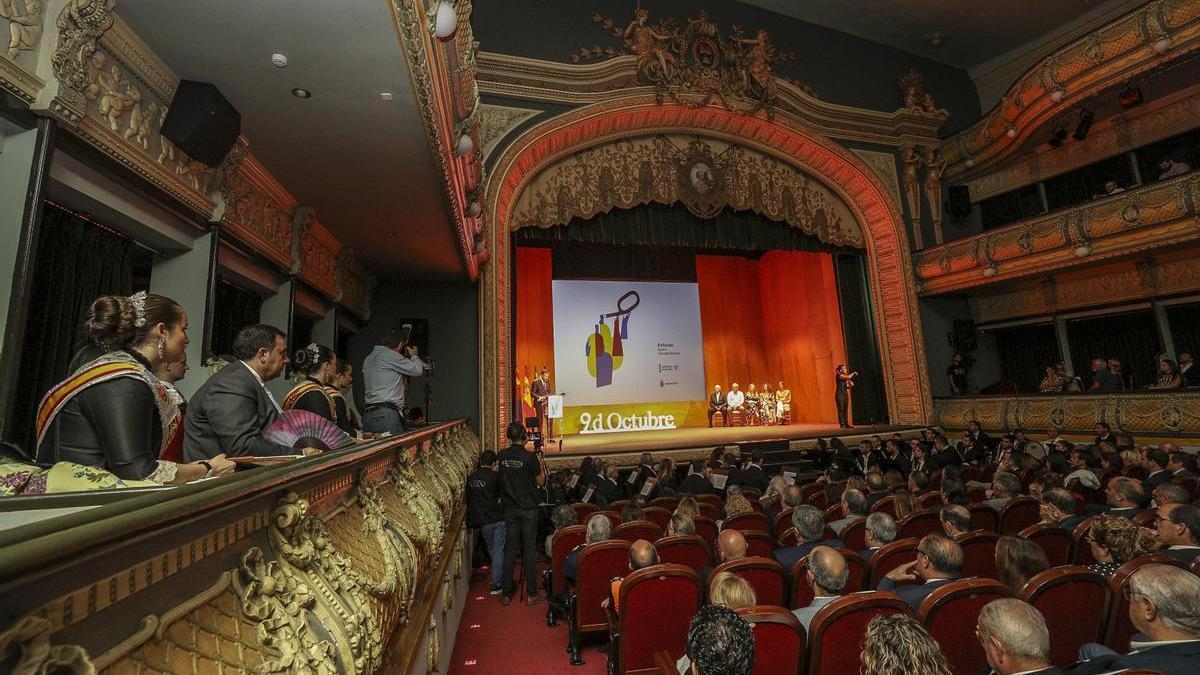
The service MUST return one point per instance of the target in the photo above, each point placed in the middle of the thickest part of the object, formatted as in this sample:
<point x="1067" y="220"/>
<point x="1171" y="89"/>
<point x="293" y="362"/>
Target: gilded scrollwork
<point x="80" y="25"/>
<point x="26" y="648"/>
<point x="281" y="603"/>
<point x="1174" y="413"/>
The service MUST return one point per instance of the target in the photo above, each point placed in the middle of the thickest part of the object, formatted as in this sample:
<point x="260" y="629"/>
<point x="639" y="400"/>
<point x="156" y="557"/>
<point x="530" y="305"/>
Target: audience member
<point x="719" y="642"/>
<point x="1179" y="531"/>
<point x="939" y="561"/>
<point x="1015" y="638"/>
<point x="1180" y="465"/>
<point x="956" y="520"/>
<point x="809" y="523"/>
<point x="697" y="481"/>
<point x="1115" y="541"/>
<point x="918" y="482"/>
<point x="562" y="516"/>
<point x="876" y="487"/>
<point x="954" y="492"/>
<point x="854" y="507"/>
<point x="731" y="545"/>
<point x="826" y="575"/>
<point x="608" y="489"/>
<point x="732" y="591"/>
<point x="904" y="503"/>
<point x="1164" y="606"/>
<point x="1124" y="496"/>
<point x="484" y="513"/>
<point x="752" y="476"/>
<point x="1005" y="486"/>
<point x="736" y="503"/>
<point x="1169" y="168"/>
<point x="1017" y="561"/>
<point x="896" y="643"/>
<point x="1043" y="481"/>
<point x="632" y="512"/>
<point x="1154" y="462"/>
<point x="1170" y="493"/>
<point x="599" y="528"/>
<point x="1102" y="378"/>
<point x="642" y="554"/>
<point x="1085" y="469"/>
<point x="688" y="506"/>
<point x="1058" y="507"/>
<point x="1190" y="374"/>
<point x="880" y="530"/>
<point x="681" y="525"/>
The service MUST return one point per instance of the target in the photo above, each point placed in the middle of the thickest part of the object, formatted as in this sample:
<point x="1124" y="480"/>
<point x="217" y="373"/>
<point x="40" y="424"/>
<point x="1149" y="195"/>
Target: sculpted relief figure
<point x="648" y="46"/>
<point x="755" y="67"/>
<point x="24" y="29"/>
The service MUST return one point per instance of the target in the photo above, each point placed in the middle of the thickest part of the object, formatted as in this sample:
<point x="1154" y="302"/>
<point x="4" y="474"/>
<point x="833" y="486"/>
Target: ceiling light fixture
<point x="385" y="95"/>
<point x="300" y="92"/>
<point x="279" y="60"/>
<point x="445" y="22"/>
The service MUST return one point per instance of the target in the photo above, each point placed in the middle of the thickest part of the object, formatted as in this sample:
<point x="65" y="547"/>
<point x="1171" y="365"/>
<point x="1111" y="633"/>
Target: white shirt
<point x="264" y="386"/>
<point x="735" y="399"/>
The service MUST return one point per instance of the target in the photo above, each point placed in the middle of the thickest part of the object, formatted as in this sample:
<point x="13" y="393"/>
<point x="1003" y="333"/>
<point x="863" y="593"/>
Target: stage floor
<point x="687" y="442"/>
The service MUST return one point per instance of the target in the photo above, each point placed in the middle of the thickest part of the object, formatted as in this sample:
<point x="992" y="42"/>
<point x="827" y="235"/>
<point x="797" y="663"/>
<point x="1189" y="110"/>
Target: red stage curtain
<point x="534" y="311"/>
<point x="773" y="319"/>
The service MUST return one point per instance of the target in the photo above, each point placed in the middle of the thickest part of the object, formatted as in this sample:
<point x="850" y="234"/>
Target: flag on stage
<point x="518" y="406"/>
<point x="527" y="409"/>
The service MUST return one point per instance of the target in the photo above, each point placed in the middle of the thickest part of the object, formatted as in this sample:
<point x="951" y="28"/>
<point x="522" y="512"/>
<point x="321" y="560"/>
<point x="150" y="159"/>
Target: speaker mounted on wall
<point x="201" y="122"/>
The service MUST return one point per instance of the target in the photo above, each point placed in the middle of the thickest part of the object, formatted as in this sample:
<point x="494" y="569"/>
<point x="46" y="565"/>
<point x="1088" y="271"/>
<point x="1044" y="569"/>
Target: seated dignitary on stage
<point x="233" y="408"/>
<point x="783" y="402"/>
<point x="809" y="523"/>
<point x="735" y="399"/>
<point x="318" y="363"/>
<point x="113" y="413"/>
<point x="939" y="561"/>
<point x="1015" y="638"/>
<point x="1164" y="606"/>
<point x="716" y="404"/>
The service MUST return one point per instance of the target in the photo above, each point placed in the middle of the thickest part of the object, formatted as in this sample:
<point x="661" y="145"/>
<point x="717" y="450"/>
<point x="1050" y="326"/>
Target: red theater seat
<point x="836" y="633"/>
<point x="668" y="503"/>
<point x="950" y="612"/>
<point x="617" y="506"/>
<point x="765" y="576"/>
<point x="779" y="640"/>
<point x="782" y="521"/>
<point x="657" y="515"/>
<point x="833" y="513"/>
<point x="802" y="594"/>
<point x="808" y="492"/>
<point x="710" y="510"/>
<point x="854" y="535"/>
<point x="597" y="565"/>
<point x="584" y="511"/>
<point x="1081" y="552"/>
<point x="1019" y="514"/>
<point x="976" y="494"/>
<point x="1143" y="519"/>
<point x="984" y="517"/>
<point x="886" y="505"/>
<point x="563" y="542"/>
<point x="1120" y="628"/>
<point x="979" y="553"/>
<point x="931" y="500"/>
<point x="786" y="538"/>
<point x="919" y="524"/>
<point x="747" y="522"/>
<point x="657" y="604"/>
<point x="614" y="519"/>
<point x="1075" y="602"/>
<point x="688" y="550"/>
<point x="638" y="529"/>
<point x="709" y="498"/>
<point x="1055" y="541"/>
<point x="759" y="544"/>
<point x="706" y="529"/>
<point x="888" y="557"/>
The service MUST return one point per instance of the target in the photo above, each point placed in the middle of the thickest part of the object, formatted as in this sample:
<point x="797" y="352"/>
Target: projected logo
<point x="605" y="349"/>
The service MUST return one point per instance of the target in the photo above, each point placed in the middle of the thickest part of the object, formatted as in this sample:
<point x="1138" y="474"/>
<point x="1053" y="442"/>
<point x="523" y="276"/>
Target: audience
<point x="956" y="520"/>
<point x="826" y="575"/>
<point x="1015" y="638"/>
<point x="681" y="525"/>
<point x="809" y="523"/>
<point x="1017" y="561"/>
<point x="898" y="644"/>
<point x="1005" y="486"/>
<point x="1058" y="507"/>
<point x="880" y="530"/>
<point x="642" y="554"/>
<point x="689" y="507"/>
<point x="736" y="503"/>
<point x="727" y="588"/>
<point x="1115" y="540"/>
<point x="1170" y="493"/>
<point x="599" y="528"/>
<point x="719" y="642"/>
<point x="904" y="503"/>
<point x="1179" y="531"/>
<point x="939" y="561"/>
<point x="1124" y="496"/>
<point x="1154" y="462"/>
<point x="854" y="507"/>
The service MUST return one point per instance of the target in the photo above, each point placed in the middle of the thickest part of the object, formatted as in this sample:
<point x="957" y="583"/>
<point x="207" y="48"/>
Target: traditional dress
<point x="112" y="413"/>
<point x="312" y="396"/>
<point x="783" y="404"/>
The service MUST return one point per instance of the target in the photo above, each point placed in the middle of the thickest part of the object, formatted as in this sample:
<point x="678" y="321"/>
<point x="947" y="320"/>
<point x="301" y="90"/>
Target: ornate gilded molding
<point x="884" y="165"/>
<point x="1157" y="33"/>
<point x="705" y="176"/>
<point x="28" y="646"/>
<point x="495" y="121"/>
<point x="23" y="22"/>
<point x="1176" y="414"/>
<point x="1156" y="216"/>
<point x="314" y="252"/>
<point x="257" y="209"/>
<point x="355" y="285"/>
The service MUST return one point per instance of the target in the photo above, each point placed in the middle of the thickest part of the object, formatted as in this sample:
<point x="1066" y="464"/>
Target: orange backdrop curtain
<point x="773" y="319"/>
<point x="534" y="320"/>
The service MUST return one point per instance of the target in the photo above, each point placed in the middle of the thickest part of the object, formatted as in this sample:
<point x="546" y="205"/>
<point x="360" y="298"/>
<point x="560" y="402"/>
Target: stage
<point x="690" y="443"/>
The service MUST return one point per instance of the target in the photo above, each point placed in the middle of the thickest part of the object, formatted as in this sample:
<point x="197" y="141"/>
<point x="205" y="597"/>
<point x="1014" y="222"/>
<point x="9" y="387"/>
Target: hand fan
<point x="304" y="429"/>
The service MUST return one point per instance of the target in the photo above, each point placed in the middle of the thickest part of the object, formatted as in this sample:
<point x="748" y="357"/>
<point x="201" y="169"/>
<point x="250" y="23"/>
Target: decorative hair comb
<point x="139" y="309"/>
<point x="313" y="349"/>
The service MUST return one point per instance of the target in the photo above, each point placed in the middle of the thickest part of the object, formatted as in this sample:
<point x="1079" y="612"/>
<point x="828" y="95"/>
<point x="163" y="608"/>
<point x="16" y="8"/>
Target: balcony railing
<point x="1174" y="413"/>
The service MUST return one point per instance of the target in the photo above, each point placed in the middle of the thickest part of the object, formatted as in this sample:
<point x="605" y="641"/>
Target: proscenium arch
<point x="893" y="293"/>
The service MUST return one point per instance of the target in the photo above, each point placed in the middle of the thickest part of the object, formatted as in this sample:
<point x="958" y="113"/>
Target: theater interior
<point x="988" y="212"/>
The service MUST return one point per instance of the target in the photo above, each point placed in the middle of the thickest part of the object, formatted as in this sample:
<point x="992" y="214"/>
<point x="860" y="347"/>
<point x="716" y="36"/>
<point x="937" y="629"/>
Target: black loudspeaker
<point x="964" y="335"/>
<point x="201" y="122"/>
<point x="960" y="201"/>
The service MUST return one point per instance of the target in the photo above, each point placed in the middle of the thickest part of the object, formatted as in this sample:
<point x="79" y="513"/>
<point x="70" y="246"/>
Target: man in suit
<point x="599" y="528"/>
<point x="1124" y="496"/>
<point x="1103" y="433"/>
<point x="894" y="458"/>
<point x="753" y="476"/>
<point x="1058" y="507"/>
<point x="854" y="507"/>
<point x="877" y="487"/>
<point x="826" y="575"/>
<point x="716" y="403"/>
<point x="607" y="488"/>
<point x="1164" y="606"/>
<point x="1170" y="493"/>
<point x="1015" y="638"/>
<point x="1179" y="531"/>
<point x="1178" y="465"/>
<point x="1188" y="370"/>
<point x="645" y="470"/>
<point x="939" y="561"/>
<point x="1155" y="463"/>
<point x="1005" y="486"/>
<point x="809" y="523"/>
<point x="880" y="530"/>
<point x="956" y="520"/>
<point x="233" y="408"/>
<point x="540" y="390"/>
<point x="697" y="481"/>
<point x="978" y="444"/>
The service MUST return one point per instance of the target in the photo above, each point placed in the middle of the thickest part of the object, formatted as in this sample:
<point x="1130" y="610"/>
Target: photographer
<point x="386" y="371"/>
<point x="520" y="477"/>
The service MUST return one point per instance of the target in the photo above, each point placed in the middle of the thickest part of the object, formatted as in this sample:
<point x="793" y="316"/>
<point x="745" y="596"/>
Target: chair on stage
<point x="688" y="550"/>
<point x="736" y="418"/>
<point x="766" y="576"/>
<point x="889" y="556"/>
<point x="1075" y="602"/>
<point x="1055" y="541"/>
<point x="657" y="515"/>
<point x="718" y="419"/>
<point x="979" y="553"/>
<point x="656" y="608"/>
<point x="950" y="612"/>
<point x="598" y="563"/>
<point x="759" y="544"/>
<point x="563" y="542"/>
<point x="748" y="522"/>
<point x="779" y="640"/>
<point x="638" y="529"/>
<point x="836" y="633"/>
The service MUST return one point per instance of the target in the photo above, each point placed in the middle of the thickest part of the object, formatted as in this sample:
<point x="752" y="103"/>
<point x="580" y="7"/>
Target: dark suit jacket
<point x="229" y="415"/>
<point x="866" y="554"/>
<point x="1186" y="555"/>
<point x="913" y="595"/>
<point x="753" y="477"/>
<point x="1176" y="659"/>
<point x="571" y="563"/>
<point x="1155" y="480"/>
<point x="788" y="557"/>
<point x="696" y="484"/>
<point x="1191" y="376"/>
<point x="607" y="490"/>
<point x="1070" y="523"/>
<point x="1096" y="509"/>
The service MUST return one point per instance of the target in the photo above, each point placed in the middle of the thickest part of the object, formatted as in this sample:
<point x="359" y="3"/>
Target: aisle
<point x="515" y="640"/>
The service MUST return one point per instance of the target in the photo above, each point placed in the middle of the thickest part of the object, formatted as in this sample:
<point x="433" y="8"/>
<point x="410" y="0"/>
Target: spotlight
<point x="1131" y="97"/>
<point x="1085" y="124"/>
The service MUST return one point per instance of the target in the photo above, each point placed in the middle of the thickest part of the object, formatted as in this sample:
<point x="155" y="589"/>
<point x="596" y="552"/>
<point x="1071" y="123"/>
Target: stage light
<point x="1085" y="124"/>
<point x="1131" y="97"/>
<point x="445" y="23"/>
<point x="1012" y="131"/>
<point x="1058" y="94"/>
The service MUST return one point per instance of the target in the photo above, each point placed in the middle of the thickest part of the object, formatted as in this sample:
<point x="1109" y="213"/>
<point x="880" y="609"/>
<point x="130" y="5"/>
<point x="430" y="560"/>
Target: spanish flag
<point x="527" y="409"/>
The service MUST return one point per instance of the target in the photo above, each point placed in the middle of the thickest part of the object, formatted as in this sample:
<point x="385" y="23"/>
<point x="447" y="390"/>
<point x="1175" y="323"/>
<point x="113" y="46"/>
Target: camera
<point x="533" y="432"/>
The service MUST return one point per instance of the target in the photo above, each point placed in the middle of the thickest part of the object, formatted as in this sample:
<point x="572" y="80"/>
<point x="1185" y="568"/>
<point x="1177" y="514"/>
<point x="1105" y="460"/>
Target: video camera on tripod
<point x="533" y="430"/>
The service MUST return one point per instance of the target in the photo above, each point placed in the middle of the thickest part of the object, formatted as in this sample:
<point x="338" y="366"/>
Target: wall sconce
<point x="1083" y="251"/>
<point x="991" y="270"/>
<point x="445" y="22"/>
<point x="1058" y="94"/>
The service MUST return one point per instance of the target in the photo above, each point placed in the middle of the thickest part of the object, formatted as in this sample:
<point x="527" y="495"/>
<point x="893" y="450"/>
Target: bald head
<point x="827" y="571"/>
<point x="642" y="554"/>
<point x="731" y="545"/>
<point x="791" y="496"/>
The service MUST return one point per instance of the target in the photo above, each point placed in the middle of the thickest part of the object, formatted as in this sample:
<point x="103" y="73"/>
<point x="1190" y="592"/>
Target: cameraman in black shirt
<point x="520" y="475"/>
<point x="483" y="512"/>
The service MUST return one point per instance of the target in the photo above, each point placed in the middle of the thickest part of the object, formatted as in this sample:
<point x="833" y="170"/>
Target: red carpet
<point x="497" y="640"/>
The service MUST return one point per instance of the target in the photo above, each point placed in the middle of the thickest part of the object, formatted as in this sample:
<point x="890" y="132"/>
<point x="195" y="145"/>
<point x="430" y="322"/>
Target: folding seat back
<point x="919" y="524"/>
<point x="886" y="505"/>
<point x="931" y="500"/>
<point x="706" y="529"/>
<point x="563" y="542"/>
<point x="836" y="633"/>
<point x="690" y="551"/>
<point x="638" y="529"/>
<point x="950" y="613"/>
<point x="597" y="565"/>
<point x="618" y="505"/>
<point x="765" y="576"/>
<point x="747" y="522"/>
<point x="668" y="503"/>
<point x="1120" y="627"/>
<point x="854" y="535"/>
<point x="984" y="517"/>
<point x="1018" y="514"/>
<point x="583" y="511"/>
<point x="1055" y="541"/>
<point x="709" y="510"/>
<point x="888" y="557"/>
<point x="759" y="544"/>
<point x="657" y="515"/>
<point x="779" y="640"/>
<point x="782" y="521"/>
<point x="1075" y="602"/>
<point x="979" y="553"/>
<point x="1081" y="551"/>
<point x="833" y="513"/>
<point x="709" y="498"/>
<point x="656" y="608"/>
